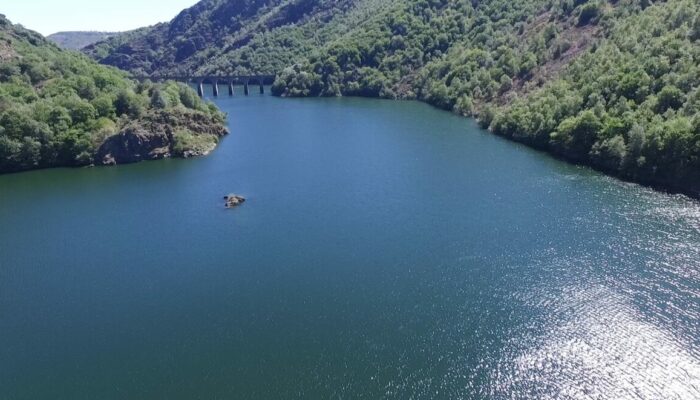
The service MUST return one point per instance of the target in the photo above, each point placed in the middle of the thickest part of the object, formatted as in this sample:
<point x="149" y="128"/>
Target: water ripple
<point x="601" y="348"/>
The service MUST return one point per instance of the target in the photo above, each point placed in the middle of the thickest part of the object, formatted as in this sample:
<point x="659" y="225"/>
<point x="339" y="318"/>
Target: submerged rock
<point x="233" y="200"/>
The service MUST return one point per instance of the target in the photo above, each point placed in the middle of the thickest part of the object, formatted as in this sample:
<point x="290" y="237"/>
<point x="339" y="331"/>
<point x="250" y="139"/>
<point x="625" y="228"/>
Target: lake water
<point x="387" y="250"/>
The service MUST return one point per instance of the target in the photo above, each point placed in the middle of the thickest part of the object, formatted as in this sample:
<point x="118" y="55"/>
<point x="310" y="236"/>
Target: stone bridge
<point x="228" y="80"/>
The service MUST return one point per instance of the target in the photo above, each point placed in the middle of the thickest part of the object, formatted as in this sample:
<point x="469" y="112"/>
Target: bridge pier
<point x="200" y="88"/>
<point x="230" y="88"/>
<point x="215" y="85"/>
<point x="246" y="90"/>
<point x="262" y="86"/>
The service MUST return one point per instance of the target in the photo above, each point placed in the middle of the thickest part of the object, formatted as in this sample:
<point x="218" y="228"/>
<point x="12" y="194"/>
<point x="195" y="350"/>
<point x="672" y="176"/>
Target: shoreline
<point x="659" y="187"/>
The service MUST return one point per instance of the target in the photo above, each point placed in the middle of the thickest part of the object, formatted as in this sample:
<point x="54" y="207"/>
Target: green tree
<point x="104" y="106"/>
<point x="575" y="136"/>
<point x="589" y="12"/>
<point x="609" y="154"/>
<point x="127" y="102"/>
<point x="670" y="97"/>
<point x="158" y="100"/>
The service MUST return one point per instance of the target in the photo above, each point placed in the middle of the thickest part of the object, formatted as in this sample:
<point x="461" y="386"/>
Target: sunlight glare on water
<point x="593" y="341"/>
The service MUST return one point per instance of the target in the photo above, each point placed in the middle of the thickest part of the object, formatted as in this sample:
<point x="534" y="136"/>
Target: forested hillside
<point x="608" y="83"/>
<point x="630" y="105"/>
<point x="78" y="40"/>
<point x="223" y="36"/>
<point x="59" y="108"/>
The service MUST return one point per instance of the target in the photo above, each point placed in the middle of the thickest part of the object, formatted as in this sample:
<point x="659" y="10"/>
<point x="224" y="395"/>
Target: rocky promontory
<point x="59" y="109"/>
<point x="160" y="135"/>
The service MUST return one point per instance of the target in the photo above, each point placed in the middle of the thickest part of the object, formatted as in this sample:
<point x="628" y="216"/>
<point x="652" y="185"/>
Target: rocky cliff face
<point x="161" y="135"/>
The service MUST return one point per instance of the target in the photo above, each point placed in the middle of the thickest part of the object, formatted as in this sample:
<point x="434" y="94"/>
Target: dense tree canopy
<point x="628" y="106"/>
<point x="224" y="36"/>
<point x="57" y="107"/>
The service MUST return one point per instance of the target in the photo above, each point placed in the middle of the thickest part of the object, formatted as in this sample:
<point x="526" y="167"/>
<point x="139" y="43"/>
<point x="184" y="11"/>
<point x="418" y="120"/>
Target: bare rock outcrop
<point x="161" y="135"/>
<point x="233" y="200"/>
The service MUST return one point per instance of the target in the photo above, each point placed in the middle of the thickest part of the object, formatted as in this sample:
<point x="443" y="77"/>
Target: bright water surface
<point x="388" y="250"/>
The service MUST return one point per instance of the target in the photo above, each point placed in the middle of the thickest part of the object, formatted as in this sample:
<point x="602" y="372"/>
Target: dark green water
<point x="387" y="251"/>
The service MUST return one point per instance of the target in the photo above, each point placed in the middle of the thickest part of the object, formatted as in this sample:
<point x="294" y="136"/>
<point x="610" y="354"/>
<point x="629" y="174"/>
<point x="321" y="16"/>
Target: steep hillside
<point x="78" y="40"/>
<point x="611" y="84"/>
<point x="630" y="105"/>
<point x="59" y="108"/>
<point x="251" y="36"/>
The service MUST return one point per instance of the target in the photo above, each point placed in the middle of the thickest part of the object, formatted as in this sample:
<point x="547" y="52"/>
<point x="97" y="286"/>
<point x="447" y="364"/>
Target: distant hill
<point x="77" y="40"/>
